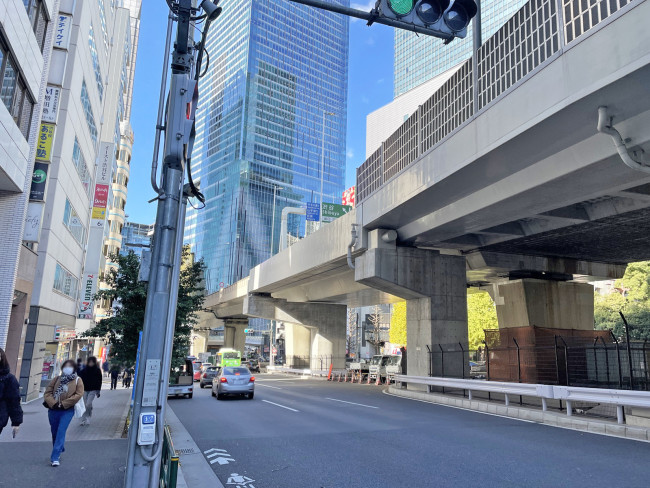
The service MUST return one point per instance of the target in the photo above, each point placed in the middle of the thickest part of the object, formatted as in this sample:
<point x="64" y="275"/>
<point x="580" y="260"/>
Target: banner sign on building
<point x="51" y="103"/>
<point x="33" y="221"/>
<point x="102" y="181"/>
<point x="88" y="286"/>
<point x="99" y="203"/>
<point x="313" y="212"/>
<point x="44" y="144"/>
<point x="349" y="196"/>
<point x="62" y="27"/>
<point x="39" y="179"/>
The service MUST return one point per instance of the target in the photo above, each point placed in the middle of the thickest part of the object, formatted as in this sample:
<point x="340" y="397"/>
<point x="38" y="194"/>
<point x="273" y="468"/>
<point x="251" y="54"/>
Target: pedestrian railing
<point x="169" y="462"/>
<point x="569" y="394"/>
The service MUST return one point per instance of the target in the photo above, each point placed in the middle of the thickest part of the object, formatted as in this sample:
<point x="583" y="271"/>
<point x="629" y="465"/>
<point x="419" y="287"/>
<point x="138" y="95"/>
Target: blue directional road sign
<point x="313" y="212"/>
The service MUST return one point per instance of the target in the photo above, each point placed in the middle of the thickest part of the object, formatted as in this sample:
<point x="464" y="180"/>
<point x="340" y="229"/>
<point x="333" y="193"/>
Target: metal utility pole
<point x="146" y="430"/>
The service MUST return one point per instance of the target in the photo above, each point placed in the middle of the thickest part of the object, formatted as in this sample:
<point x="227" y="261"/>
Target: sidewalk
<point x="95" y="455"/>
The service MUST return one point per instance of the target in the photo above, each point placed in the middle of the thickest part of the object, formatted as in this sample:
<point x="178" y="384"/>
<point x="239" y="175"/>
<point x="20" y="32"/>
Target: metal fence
<point x="168" y="463"/>
<point x="314" y="362"/>
<point x="538" y="31"/>
<point x="564" y="361"/>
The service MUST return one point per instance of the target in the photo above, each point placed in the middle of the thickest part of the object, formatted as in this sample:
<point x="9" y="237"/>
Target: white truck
<point x="379" y="363"/>
<point x="393" y="367"/>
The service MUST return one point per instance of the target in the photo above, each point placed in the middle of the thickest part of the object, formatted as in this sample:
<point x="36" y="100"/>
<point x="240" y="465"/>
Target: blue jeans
<point x="59" y="421"/>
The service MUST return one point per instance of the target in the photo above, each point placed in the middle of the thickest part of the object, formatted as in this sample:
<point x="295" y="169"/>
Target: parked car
<point x="197" y="370"/>
<point x="208" y="375"/>
<point x="254" y="365"/>
<point x="234" y="380"/>
<point x="180" y="380"/>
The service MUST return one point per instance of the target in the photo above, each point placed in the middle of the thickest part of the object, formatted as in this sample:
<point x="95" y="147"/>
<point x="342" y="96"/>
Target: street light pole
<point x="322" y="168"/>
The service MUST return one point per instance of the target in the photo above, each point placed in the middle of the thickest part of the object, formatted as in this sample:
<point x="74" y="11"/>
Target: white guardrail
<point x="619" y="398"/>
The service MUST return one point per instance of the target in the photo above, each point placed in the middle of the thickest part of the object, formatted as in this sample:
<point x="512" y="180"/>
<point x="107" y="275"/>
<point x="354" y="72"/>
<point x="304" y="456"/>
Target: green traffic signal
<point x="401" y="7"/>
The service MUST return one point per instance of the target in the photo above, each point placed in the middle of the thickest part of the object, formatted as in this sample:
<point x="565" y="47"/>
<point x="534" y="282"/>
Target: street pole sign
<point x="335" y="210"/>
<point x="313" y="212"/>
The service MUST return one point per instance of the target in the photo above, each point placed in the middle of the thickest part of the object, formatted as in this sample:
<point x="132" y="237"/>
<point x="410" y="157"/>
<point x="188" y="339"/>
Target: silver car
<point x="234" y="380"/>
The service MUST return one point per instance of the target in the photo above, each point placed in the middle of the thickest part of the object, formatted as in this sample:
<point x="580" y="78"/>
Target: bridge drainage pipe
<point x="605" y="126"/>
<point x="353" y="242"/>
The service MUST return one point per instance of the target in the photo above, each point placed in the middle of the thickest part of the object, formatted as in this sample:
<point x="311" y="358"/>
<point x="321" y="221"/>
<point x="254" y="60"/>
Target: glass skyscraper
<point x="275" y="67"/>
<point x="420" y="58"/>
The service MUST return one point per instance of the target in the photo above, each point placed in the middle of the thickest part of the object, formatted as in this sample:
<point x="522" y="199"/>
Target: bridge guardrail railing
<point x="618" y="398"/>
<point x="524" y="44"/>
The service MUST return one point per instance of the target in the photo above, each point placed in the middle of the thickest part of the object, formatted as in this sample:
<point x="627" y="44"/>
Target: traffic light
<point x="440" y="18"/>
<point x="246" y="331"/>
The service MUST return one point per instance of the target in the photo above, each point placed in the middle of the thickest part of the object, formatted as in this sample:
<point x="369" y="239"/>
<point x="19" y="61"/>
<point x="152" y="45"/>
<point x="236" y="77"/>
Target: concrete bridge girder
<point x="313" y="330"/>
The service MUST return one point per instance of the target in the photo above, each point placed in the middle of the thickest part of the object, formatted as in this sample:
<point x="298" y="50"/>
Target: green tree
<point x="481" y="314"/>
<point x="125" y="320"/>
<point x="397" y="333"/>
<point x="632" y="297"/>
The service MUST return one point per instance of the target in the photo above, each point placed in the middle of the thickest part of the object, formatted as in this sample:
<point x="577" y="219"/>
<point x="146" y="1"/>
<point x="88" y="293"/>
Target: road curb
<point x="193" y="471"/>
<point x="524" y="414"/>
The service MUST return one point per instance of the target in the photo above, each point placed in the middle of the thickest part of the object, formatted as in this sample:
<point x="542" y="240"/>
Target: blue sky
<point x="370" y="85"/>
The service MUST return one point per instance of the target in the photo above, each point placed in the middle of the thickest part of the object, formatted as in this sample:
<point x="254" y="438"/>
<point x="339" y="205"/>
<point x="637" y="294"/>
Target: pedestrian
<point x="126" y="378"/>
<point x="9" y="397"/>
<point x="105" y="368"/>
<point x="115" y="373"/>
<point x="61" y="395"/>
<point x="91" y="376"/>
<point x="80" y="365"/>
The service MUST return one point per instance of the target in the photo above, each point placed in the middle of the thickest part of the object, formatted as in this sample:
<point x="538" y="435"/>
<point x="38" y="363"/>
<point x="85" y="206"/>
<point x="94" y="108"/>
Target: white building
<point x="26" y="37"/>
<point x="89" y="72"/>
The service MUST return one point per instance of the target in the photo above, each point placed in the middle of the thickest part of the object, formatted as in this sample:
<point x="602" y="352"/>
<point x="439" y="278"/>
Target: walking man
<point x="115" y="373"/>
<point x="91" y="376"/>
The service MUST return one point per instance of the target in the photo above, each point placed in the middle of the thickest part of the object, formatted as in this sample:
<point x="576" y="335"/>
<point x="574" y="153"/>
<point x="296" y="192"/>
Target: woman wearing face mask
<point x="61" y="395"/>
<point x="9" y="397"/>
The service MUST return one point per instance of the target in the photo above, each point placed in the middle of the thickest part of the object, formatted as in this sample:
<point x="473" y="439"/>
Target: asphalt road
<point x="301" y="433"/>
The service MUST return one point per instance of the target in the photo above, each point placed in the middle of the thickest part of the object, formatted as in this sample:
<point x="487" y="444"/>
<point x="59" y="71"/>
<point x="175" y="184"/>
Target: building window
<point x="88" y="112"/>
<point x="95" y="58"/>
<point x="82" y="168"/>
<point x="13" y="92"/>
<point x="74" y="224"/>
<point x="65" y="282"/>
<point x="38" y="18"/>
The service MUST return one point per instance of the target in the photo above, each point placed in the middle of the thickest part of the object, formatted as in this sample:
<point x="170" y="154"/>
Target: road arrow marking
<point x="216" y="451"/>
<point x="222" y="460"/>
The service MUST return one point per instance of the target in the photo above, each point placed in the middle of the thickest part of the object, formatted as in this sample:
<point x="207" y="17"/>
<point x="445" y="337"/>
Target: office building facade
<point x="26" y="37"/>
<point x="275" y="69"/>
<point x="80" y="130"/>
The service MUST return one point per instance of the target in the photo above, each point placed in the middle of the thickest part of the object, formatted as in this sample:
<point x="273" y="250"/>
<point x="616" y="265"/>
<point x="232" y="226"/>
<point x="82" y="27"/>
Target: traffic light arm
<point x="372" y="16"/>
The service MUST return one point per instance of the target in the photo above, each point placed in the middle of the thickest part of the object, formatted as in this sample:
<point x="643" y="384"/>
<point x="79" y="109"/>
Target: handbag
<point x="79" y="407"/>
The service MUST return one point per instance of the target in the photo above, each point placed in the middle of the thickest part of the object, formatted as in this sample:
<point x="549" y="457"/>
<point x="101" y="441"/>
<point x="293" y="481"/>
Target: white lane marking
<point x="269" y="386"/>
<point x="220" y="456"/>
<point x="281" y="406"/>
<point x="214" y="452"/>
<point x="351" y="403"/>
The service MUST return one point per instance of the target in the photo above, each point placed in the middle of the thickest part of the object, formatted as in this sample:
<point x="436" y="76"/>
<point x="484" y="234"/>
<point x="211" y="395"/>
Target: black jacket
<point x="92" y="378"/>
<point x="9" y="400"/>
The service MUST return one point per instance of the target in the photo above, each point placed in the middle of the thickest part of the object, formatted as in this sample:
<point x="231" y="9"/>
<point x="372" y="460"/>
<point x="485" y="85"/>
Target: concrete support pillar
<point x="234" y="335"/>
<point x="435" y="288"/>
<point x="297" y="345"/>
<point x="328" y="341"/>
<point x="553" y="304"/>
